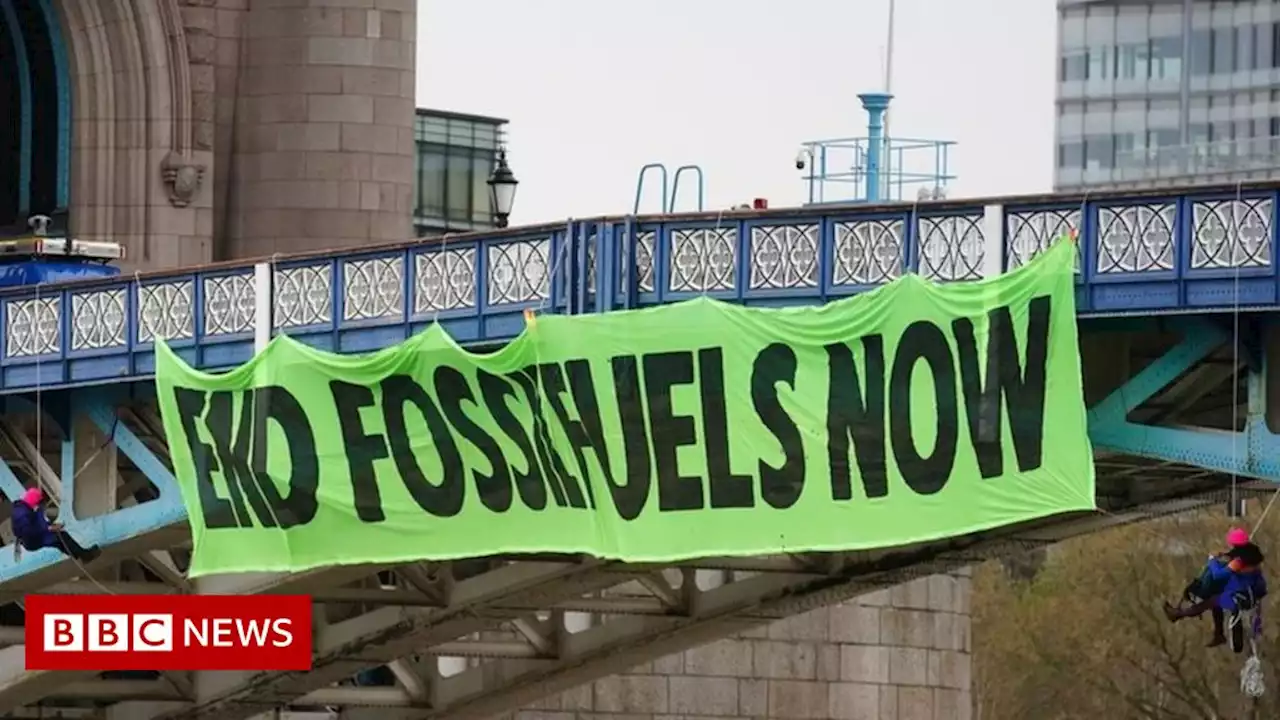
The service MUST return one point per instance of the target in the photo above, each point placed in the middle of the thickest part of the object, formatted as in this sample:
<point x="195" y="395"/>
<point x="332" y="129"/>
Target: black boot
<point x="72" y="548"/>
<point x="1178" y="613"/>
<point x="1219" y="634"/>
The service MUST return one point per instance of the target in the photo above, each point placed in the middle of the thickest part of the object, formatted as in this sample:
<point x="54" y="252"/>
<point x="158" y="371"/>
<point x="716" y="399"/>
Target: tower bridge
<point x="199" y="133"/>
<point x="1163" y="279"/>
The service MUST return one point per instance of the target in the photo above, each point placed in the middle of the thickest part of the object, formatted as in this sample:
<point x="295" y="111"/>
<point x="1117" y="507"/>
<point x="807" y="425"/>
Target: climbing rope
<point x="1233" y="238"/>
<point x="1252" y="680"/>
<point x="46" y="487"/>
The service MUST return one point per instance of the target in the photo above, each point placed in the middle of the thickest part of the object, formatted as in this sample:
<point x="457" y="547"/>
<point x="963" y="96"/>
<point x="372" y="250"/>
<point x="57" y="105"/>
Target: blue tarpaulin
<point x="33" y="272"/>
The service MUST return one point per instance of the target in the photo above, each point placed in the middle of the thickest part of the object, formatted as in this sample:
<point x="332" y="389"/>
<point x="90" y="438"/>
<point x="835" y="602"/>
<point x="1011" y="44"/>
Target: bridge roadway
<point x="1178" y="383"/>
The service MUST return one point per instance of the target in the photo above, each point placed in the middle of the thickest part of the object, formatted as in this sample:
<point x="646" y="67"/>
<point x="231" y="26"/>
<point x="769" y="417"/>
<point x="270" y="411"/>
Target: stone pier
<point x="897" y="654"/>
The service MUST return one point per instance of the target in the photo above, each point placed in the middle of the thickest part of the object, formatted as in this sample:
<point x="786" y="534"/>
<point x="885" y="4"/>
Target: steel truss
<point x="481" y="637"/>
<point x="524" y="629"/>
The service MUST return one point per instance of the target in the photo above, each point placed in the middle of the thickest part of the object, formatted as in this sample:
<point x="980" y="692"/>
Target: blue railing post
<point x="675" y="187"/>
<point x="635" y="210"/>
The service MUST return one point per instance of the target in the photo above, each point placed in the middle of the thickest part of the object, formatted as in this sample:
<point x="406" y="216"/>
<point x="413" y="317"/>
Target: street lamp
<point x="502" y="189"/>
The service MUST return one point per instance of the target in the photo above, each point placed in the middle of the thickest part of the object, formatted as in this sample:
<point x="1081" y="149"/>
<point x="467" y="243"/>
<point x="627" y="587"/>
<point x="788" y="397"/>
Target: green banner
<point x="911" y="413"/>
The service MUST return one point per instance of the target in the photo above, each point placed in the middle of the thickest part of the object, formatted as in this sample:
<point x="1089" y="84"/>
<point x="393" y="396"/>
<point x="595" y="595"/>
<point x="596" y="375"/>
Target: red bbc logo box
<point x="168" y="632"/>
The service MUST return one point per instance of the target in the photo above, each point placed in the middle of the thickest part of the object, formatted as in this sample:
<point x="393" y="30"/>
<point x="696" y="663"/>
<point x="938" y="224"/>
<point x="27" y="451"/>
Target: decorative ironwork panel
<point x="646" y="243"/>
<point x="32" y="326"/>
<point x="372" y="288"/>
<point x="166" y="311"/>
<point x="229" y="304"/>
<point x="867" y="252"/>
<point x="444" y="280"/>
<point x="1030" y="233"/>
<point x="302" y="296"/>
<point x="519" y="271"/>
<point x="98" y="319"/>
<point x="1231" y="233"/>
<point x="1136" y="238"/>
<point x="784" y="256"/>
<point x="951" y="247"/>
<point x="702" y="259"/>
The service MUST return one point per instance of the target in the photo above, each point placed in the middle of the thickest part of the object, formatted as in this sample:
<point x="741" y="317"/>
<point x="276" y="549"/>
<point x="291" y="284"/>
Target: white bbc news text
<point x="235" y="632"/>
<point x="79" y="632"/>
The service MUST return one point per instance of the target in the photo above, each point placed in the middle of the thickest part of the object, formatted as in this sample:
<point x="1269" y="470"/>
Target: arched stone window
<point x="35" y="115"/>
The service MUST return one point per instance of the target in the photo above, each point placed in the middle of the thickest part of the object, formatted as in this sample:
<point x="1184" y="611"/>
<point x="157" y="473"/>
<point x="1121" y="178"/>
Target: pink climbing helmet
<point x="32" y="496"/>
<point x="1237" y="537"/>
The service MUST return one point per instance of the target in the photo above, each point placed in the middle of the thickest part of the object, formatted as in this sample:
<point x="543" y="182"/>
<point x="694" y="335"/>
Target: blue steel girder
<point x="1253" y="451"/>
<point x="121" y="520"/>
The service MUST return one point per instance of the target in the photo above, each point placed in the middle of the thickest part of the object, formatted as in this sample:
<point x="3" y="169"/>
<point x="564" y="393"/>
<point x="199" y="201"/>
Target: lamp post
<point x="502" y="189"/>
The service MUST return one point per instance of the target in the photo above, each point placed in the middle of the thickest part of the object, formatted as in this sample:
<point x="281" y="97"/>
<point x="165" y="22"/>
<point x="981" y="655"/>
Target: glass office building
<point x="456" y="155"/>
<point x="1163" y="91"/>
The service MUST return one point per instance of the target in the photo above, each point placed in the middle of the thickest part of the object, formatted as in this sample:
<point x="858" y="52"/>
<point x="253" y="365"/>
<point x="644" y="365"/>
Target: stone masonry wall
<point x="896" y="654"/>
<point x="322" y="147"/>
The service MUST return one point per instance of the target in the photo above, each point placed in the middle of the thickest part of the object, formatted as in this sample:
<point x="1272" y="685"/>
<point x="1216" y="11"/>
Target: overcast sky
<point x="594" y="89"/>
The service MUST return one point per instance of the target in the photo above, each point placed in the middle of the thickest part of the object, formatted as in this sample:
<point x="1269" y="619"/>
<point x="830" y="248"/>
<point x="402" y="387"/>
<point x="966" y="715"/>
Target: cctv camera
<point x="802" y="158"/>
<point x="39" y="224"/>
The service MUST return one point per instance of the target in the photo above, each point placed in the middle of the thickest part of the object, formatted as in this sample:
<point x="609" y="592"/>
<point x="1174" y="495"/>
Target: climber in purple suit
<point x="34" y="531"/>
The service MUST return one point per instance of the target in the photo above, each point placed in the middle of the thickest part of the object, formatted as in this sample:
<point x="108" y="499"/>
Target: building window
<point x="1223" y="41"/>
<point x="1199" y="133"/>
<point x="1163" y="138"/>
<point x="1074" y="66"/>
<point x="1166" y="58"/>
<point x="453" y="183"/>
<point x="1262" y="47"/>
<point x="1102" y="62"/>
<point x="1073" y="34"/>
<point x="1246" y="51"/>
<point x="432" y="176"/>
<point x="481" y="168"/>
<point x="456" y="155"/>
<point x="1100" y="152"/>
<point x="1275" y="45"/>
<point x="1071" y="155"/>
<point x="1134" y="61"/>
<point x="1201" y="52"/>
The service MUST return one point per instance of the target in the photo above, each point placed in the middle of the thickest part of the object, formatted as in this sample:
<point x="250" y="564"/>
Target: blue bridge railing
<point x="1190" y="250"/>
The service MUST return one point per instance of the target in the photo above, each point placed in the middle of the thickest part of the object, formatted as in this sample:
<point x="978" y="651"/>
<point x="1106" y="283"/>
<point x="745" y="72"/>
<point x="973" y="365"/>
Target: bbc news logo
<point x="168" y="632"/>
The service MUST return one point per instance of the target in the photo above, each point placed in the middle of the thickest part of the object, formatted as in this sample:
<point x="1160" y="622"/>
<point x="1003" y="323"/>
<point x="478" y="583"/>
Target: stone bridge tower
<point x="200" y="130"/>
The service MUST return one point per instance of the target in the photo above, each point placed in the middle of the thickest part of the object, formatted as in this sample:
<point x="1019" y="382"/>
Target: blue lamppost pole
<point x="502" y="190"/>
<point x="875" y="104"/>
